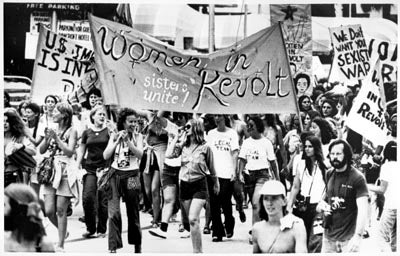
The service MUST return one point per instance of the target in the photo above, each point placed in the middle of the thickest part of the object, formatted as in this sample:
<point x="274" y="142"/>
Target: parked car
<point x="18" y="87"/>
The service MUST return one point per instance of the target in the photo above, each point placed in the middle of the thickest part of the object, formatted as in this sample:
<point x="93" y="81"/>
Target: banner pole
<point x="291" y="78"/>
<point x="211" y="29"/>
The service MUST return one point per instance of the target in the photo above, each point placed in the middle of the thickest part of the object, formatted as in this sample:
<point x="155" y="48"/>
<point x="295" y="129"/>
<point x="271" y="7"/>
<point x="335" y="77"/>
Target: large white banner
<point x="60" y="66"/>
<point x="367" y="116"/>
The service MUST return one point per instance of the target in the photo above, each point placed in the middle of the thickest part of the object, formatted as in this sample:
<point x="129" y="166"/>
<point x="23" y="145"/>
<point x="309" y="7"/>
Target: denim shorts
<point x="197" y="189"/>
<point x="169" y="176"/>
<point x="256" y="177"/>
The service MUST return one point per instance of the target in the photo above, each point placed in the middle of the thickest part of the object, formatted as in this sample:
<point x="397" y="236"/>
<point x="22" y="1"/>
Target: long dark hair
<point x="319" y="156"/>
<point x="301" y="99"/>
<point x="327" y="133"/>
<point x="16" y="124"/>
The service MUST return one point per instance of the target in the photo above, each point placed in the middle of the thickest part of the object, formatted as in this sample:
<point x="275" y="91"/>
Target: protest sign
<point x="367" y="115"/>
<point x="296" y="24"/>
<point x="75" y="30"/>
<point x="139" y="71"/>
<point x="59" y="67"/>
<point x="351" y="61"/>
<point x="386" y="52"/>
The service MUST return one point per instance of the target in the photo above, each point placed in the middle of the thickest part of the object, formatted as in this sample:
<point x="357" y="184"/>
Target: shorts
<point x="62" y="190"/>
<point x="169" y="176"/>
<point x="256" y="177"/>
<point x="190" y="190"/>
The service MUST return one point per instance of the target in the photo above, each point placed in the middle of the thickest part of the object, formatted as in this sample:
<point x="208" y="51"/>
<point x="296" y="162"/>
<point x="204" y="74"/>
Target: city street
<point x="173" y="244"/>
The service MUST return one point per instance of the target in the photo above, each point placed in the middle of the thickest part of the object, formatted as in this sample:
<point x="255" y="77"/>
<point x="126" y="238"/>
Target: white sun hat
<point x="273" y="187"/>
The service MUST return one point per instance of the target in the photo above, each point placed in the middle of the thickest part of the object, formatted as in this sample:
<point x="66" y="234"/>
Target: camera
<point x="338" y="204"/>
<point x="327" y="221"/>
<point x="302" y="202"/>
<point x="123" y="163"/>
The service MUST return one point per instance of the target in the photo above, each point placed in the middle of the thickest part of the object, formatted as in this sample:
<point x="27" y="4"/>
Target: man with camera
<point x="345" y="204"/>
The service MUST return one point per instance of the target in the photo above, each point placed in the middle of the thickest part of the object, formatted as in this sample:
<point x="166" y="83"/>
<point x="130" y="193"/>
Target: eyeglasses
<point x="187" y="127"/>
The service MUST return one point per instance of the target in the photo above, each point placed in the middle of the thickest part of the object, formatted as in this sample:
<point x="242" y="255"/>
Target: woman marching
<point x="64" y="186"/>
<point x="197" y="163"/>
<point x="15" y="138"/>
<point x="308" y="187"/>
<point x="125" y="148"/>
<point x="94" y="142"/>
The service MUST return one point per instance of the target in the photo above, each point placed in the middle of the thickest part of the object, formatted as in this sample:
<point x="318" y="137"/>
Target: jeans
<point x="222" y="200"/>
<point x="332" y="246"/>
<point x="94" y="205"/>
<point x="131" y="198"/>
<point x="387" y="230"/>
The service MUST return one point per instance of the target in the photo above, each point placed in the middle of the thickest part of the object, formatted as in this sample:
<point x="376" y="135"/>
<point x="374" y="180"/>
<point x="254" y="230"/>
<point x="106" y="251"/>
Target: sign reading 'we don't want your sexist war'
<point x="139" y="71"/>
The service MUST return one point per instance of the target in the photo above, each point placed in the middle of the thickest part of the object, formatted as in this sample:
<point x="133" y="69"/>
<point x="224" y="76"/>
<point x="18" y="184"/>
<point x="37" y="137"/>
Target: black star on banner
<point x="289" y="12"/>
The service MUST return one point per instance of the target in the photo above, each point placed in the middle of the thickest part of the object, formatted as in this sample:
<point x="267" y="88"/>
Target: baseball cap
<point x="273" y="187"/>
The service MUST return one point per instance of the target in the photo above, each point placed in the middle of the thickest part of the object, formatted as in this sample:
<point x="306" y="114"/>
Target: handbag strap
<point x="273" y="242"/>
<point x="61" y="136"/>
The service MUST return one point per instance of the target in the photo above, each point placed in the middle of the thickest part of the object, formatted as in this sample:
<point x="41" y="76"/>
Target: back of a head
<point x="25" y="216"/>
<point x="21" y="193"/>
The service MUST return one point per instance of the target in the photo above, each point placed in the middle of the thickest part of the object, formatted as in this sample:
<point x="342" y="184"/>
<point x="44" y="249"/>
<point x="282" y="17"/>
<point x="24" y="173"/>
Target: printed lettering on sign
<point x="158" y="76"/>
<point x="351" y="52"/>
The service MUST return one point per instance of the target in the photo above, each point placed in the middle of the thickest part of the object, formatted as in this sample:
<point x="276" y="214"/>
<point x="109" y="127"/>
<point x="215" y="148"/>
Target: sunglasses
<point x="187" y="127"/>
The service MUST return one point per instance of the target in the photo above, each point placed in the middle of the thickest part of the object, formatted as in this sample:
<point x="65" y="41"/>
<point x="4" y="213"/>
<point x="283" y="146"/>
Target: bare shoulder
<point x="258" y="226"/>
<point x="298" y="225"/>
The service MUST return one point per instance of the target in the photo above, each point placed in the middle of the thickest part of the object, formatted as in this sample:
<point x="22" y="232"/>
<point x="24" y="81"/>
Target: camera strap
<point x="313" y="176"/>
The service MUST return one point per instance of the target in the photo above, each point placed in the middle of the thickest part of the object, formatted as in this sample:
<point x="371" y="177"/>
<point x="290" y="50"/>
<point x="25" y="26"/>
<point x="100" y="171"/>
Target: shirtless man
<point x="276" y="233"/>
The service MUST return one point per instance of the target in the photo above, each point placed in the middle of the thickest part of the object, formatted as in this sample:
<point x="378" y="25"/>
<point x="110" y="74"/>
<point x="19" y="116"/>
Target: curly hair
<point x="17" y="126"/>
<point x="333" y="105"/>
<point x="327" y="133"/>
<point x="122" y="115"/>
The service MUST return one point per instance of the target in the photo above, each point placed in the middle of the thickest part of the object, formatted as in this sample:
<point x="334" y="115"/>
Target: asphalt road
<point x="238" y="244"/>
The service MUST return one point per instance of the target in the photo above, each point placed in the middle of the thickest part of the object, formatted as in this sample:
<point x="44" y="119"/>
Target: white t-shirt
<point x="318" y="185"/>
<point x="257" y="153"/>
<point x="389" y="173"/>
<point x="222" y="145"/>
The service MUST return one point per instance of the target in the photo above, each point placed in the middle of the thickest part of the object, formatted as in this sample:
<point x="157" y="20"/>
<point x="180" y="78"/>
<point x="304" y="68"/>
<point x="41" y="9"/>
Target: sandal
<point x="181" y="228"/>
<point x="154" y="224"/>
<point x="206" y="231"/>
